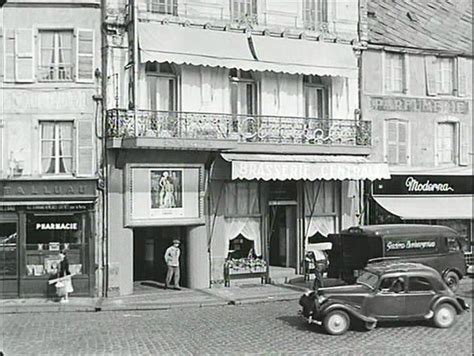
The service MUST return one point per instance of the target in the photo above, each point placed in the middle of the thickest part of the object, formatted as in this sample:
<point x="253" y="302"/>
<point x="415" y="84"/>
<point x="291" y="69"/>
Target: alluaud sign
<point x="424" y="185"/>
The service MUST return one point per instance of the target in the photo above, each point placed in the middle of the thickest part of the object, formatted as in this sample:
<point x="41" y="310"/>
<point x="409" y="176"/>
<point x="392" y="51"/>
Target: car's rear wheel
<point x="452" y="280"/>
<point x="444" y="316"/>
<point x="336" y="322"/>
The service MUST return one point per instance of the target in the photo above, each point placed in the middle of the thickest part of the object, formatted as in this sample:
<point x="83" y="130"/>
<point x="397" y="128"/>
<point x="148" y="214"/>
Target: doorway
<point x="149" y="247"/>
<point x="283" y="242"/>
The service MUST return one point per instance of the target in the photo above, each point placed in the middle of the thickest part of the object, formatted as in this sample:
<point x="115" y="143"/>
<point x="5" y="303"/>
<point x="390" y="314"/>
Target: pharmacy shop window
<point x="47" y="235"/>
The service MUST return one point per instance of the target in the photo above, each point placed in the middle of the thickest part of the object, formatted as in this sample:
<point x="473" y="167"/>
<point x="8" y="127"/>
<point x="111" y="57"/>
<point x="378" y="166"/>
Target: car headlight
<point x="321" y="299"/>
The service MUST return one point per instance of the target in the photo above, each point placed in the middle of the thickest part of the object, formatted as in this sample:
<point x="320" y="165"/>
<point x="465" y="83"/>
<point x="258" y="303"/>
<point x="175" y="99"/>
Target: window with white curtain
<point x="444" y="75"/>
<point x="446" y="142"/>
<point x="169" y="7"/>
<point x="243" y="92"/>
<point x="315" y="97"/>
<point x="57" y="147"/>
<point x="394" y="72"/>
<point x="161" y="83"/>
<point x="315" y="13"/>
<point x="244" y="10"/>
<point x="56" y="55"/>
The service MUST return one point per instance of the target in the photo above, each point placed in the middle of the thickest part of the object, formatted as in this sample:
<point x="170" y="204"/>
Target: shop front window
<point x="47" y="235"/>
<point x="8" y="249"/>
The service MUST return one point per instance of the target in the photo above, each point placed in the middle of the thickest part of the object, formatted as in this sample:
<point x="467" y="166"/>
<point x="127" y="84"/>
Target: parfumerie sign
<point x="56" y="226"/>
<point x="409" y="245"/>
<point x="445" y="106"/>
<point x="424" y="185"/>
<point x="414" y="185"/>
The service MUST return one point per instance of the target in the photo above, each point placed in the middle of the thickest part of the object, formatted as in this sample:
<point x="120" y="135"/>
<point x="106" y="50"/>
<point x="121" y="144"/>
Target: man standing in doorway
<point x="172" y="261"/>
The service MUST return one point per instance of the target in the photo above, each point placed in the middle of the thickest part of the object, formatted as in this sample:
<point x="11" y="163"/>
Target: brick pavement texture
<point x="256" y="329"/>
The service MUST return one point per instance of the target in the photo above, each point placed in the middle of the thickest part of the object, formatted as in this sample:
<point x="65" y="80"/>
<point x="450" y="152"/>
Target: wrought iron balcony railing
<point x="242" y="128"/>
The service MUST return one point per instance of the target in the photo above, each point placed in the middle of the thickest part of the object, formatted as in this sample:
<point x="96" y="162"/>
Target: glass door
<point x="8" y="259"/>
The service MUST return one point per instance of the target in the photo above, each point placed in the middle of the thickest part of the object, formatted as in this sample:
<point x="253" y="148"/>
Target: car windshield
<point x="368" y="279"/>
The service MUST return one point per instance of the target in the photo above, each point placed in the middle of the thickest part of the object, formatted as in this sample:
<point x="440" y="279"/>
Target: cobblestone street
<point x="253" y="328"/>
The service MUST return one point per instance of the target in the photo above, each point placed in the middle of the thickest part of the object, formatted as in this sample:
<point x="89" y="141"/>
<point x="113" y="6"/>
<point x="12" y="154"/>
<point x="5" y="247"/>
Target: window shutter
<point x="406" y="73"/>
<point x="2" y="143"/>
<point x="430" y="74"/>
<point x="388" y="73"/>
<point x="9" y="58"/>
<point x="24" y="55"/>
<point x="85" y="148"/>
<point x="402" y="142"/>
<point x="2" y="56"/>
<point x="462" y="83"/>
<point x="85" y="56"/>
<point x="392" y="141"/>
<point x="464" y="140"/>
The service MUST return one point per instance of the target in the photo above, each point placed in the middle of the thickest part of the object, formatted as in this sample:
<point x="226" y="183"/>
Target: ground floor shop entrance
<point x="149" y="247"/>
<point x="282" y="237"/>
<point x="38" y="220"/>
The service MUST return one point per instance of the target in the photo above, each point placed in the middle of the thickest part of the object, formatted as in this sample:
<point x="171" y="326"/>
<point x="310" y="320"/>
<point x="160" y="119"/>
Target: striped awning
<point x="204" y="47"/>
<point x="304" y="167"/>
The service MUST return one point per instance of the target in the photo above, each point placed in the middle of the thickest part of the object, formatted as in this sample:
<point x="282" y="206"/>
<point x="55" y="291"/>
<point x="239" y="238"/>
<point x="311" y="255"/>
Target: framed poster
<point x="164" y="194"/>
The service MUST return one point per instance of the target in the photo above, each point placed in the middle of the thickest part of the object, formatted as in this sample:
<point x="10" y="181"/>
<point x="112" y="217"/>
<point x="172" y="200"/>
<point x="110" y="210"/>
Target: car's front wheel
<point x="444" y="315"/>
<point x="336" y="322"/>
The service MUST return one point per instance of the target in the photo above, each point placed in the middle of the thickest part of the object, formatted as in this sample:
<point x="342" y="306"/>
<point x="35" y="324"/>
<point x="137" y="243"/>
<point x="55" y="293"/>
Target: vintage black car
<point x="384" y="291"/>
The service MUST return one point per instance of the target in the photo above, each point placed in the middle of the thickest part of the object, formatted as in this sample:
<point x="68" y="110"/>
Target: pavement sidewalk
<point x="154" y="297"/>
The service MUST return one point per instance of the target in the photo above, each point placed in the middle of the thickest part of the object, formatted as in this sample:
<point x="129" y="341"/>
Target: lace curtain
<point x="242" y="199"/>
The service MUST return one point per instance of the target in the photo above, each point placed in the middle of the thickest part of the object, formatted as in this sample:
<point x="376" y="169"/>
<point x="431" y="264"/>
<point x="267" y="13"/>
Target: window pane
<point x="46" y="236"/>
<point x="8" y="249"/>
<point x="419" y="284"/>
<point x="47" y="149"/>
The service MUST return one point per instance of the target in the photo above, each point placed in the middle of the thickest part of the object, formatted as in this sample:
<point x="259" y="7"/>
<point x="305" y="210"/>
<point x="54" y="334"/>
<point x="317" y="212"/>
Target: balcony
<point x="241" y="129"/>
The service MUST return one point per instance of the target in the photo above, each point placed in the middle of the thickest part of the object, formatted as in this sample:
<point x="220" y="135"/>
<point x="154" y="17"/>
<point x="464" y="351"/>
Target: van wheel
<point x="444" y="316"/>
<point x="452" y="280"/>
<point x="336" y="322"/>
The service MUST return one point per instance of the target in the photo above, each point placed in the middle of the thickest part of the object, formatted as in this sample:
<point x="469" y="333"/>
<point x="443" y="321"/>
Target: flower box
<point x="244" y="268"/>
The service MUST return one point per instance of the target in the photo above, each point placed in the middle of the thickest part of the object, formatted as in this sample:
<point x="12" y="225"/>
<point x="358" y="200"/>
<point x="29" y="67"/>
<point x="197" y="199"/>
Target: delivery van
<point x="436" y="246"/>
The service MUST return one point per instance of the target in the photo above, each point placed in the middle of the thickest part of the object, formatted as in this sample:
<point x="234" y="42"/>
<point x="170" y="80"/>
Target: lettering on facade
<point x="442" y="106"/>
<point x="56" y="226"/>
<point x="414" y="186"/>
<point x="32" y="189"/>
<point x="24" y="101"/>
<point x="409" y="245"/>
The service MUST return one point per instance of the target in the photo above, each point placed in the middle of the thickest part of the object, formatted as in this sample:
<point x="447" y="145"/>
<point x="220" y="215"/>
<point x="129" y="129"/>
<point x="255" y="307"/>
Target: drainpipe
<point x="103" y="154"/>
<point x="134" y="10"/>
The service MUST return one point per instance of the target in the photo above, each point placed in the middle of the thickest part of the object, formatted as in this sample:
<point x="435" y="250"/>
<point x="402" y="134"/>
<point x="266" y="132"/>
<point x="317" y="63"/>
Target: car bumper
<point x="309" y="319"/>
<point x="463" y="304"/>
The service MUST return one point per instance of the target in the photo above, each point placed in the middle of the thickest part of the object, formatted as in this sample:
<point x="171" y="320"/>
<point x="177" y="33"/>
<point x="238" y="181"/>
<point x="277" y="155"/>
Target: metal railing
<point x="242" y="128"/>
<point x="56" y="72"/>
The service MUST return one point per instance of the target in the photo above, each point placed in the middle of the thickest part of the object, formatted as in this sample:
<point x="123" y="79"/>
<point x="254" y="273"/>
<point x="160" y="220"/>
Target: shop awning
<point x="428" y="207"/>
<point x="203" y="47"/>
<point x="304" y="167"/>
<point x="46" y="202"/>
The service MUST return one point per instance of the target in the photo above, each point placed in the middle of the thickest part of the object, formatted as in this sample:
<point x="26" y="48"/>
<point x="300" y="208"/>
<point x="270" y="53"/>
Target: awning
<point x="203" y="47"/>
<point x="45" y="202"/>
<point x="428" y="207"/>
<point x="304" y="167"/>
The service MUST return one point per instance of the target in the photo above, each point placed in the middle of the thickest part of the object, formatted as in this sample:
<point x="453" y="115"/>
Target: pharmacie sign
<point x="68" y="226"/>
<point x="424" y="185"/>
